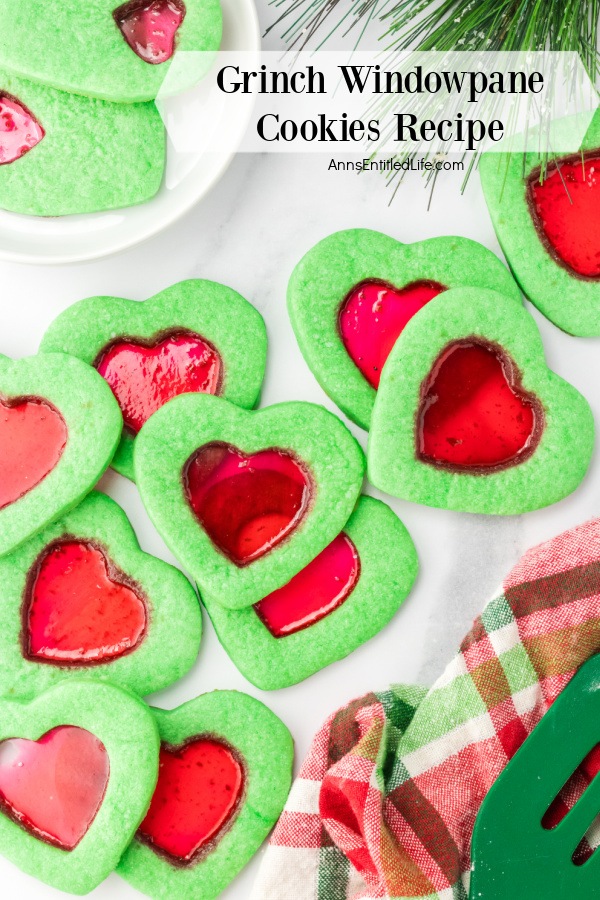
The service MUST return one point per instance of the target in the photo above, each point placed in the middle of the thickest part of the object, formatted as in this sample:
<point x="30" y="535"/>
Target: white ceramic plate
<point x="28" y="239"/>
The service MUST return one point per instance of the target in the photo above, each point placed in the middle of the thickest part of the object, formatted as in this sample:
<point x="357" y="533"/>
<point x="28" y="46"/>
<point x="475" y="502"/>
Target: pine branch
<point x="304" y="20"/>
<point x="450" y="25"/>
<point x="499" y="25"/>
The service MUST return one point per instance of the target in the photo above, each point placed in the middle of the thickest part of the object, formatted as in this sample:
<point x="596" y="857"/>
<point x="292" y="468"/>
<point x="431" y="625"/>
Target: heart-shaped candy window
<point x="474" y="415"/>
<point x="54" y="787"/>
<point x="566" y="212"/>
<point x="79" y="609"/>
<point x="150" y="27"/>
<point x="200" y="786"/>
<point x="247" y="504"/>
<point x="33" y="435"/>
<point x="19" y="129"/>
<point x="145" y="375"/>
<point x="372" y="317"/>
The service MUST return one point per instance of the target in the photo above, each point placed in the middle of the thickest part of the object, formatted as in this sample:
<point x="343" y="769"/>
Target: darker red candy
<point x="200" y="785"/>
<point x="474" y="414"/>
<point x="247" y="504"/>
<point x="566" y="211"/>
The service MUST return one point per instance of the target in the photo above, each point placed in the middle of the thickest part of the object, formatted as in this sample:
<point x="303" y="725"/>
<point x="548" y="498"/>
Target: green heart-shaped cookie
<point x="468" y="415"/>
<point x="245" y="753"/>
<point x="67" y="154"/>
<point x="82" y="599"/>
<point x="339" y="601"/>
<point x="550" y="232"/>
<point x="101" y="48"/>
<point x="59" y="427"/>
<point x="246" y="499"/>
<point x="134" y="345"/>
<point x="86" y="786"/>
<point x="345" y="335"/>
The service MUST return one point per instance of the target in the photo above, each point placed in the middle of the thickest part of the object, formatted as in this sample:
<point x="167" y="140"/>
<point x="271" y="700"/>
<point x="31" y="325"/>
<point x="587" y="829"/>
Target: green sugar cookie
<point x="351" y="295"/>
<point x="550" y="231"/>
<point x="61" y="154"/>
<point x="340" y="600"/>
<point x="194" y="336"/>
<point x="77" y="772"/>
<point x="59" y="427"/>
<point x="107" y="49"/>
<point x="246" y="499"/>
<point x="81" y="599"/>
<point x="469" y="417"/>
<point x="225" y="773"/>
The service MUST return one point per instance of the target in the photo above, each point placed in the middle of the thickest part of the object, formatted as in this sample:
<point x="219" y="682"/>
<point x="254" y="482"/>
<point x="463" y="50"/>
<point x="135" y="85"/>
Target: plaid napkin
<point x="385" y="803"/>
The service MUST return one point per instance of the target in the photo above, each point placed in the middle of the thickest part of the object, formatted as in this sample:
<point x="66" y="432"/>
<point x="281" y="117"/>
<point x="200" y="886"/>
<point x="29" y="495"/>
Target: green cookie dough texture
<point x="388" y="568"/>
<point x="211" y="310"/>
<point x="93" y="421"/>
<point x="562" y="456"/>
<point x="79" y="48"/>
<point x="266" y="748"/>
<point x="315" y="437"/>
<point x="332" y="268"/>
<point x="128" y="731"/>
<point x="170" y="645"/>
<point x="570" y="301"/>
<point x="94" y="155"/>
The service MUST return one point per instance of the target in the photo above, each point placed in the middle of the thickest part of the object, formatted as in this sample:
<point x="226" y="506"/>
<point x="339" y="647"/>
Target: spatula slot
<point x="573" y="790"/>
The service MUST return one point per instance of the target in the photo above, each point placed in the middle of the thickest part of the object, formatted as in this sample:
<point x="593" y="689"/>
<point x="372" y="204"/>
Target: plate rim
<point x="62" y="257"/>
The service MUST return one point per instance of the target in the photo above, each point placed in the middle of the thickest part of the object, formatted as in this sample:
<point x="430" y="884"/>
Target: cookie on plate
<point x="61" y="154"/>
<point x="114" y="51"/>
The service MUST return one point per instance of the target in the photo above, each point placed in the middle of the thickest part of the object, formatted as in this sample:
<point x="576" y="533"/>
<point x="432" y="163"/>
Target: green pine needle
<point x="498" y="25"/>
<point x="305" y="20"/>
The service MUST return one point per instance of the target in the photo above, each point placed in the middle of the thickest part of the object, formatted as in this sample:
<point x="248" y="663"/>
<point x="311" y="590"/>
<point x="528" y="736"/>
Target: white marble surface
<point x="249" y="233"/>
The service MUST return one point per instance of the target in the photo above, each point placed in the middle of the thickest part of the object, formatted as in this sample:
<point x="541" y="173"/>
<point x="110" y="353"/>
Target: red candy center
<point x="374" y="314"/>
<point x="246" y="504"/>
<point x="199" y="789"/>
<point x="566" y="210"/>
<point x="314" y="592"/>
<point x="150" y="27"/>
<point x="78" y="609"/>
<point x="33" y="435"/>
<point x="145" y="376"/>
<point x="19" y="129"/>
<point x="54" y="787"/>
<point x="474" y="413"/>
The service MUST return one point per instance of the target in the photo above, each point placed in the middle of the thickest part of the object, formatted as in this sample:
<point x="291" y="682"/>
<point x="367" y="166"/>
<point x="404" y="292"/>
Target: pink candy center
<point x="19" y="130"/>
<point x="150" y="27"/>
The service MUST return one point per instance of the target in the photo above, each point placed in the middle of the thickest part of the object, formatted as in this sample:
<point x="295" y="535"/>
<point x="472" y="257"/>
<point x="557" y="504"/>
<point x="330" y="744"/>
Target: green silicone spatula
<point x="513" y="856"/>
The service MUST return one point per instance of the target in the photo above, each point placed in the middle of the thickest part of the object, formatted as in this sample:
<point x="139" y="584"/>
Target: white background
<point x="249" y="233"/>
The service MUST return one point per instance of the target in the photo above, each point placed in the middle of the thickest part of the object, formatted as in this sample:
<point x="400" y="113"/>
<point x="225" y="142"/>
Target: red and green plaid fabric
<point x="385" y="803"/>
